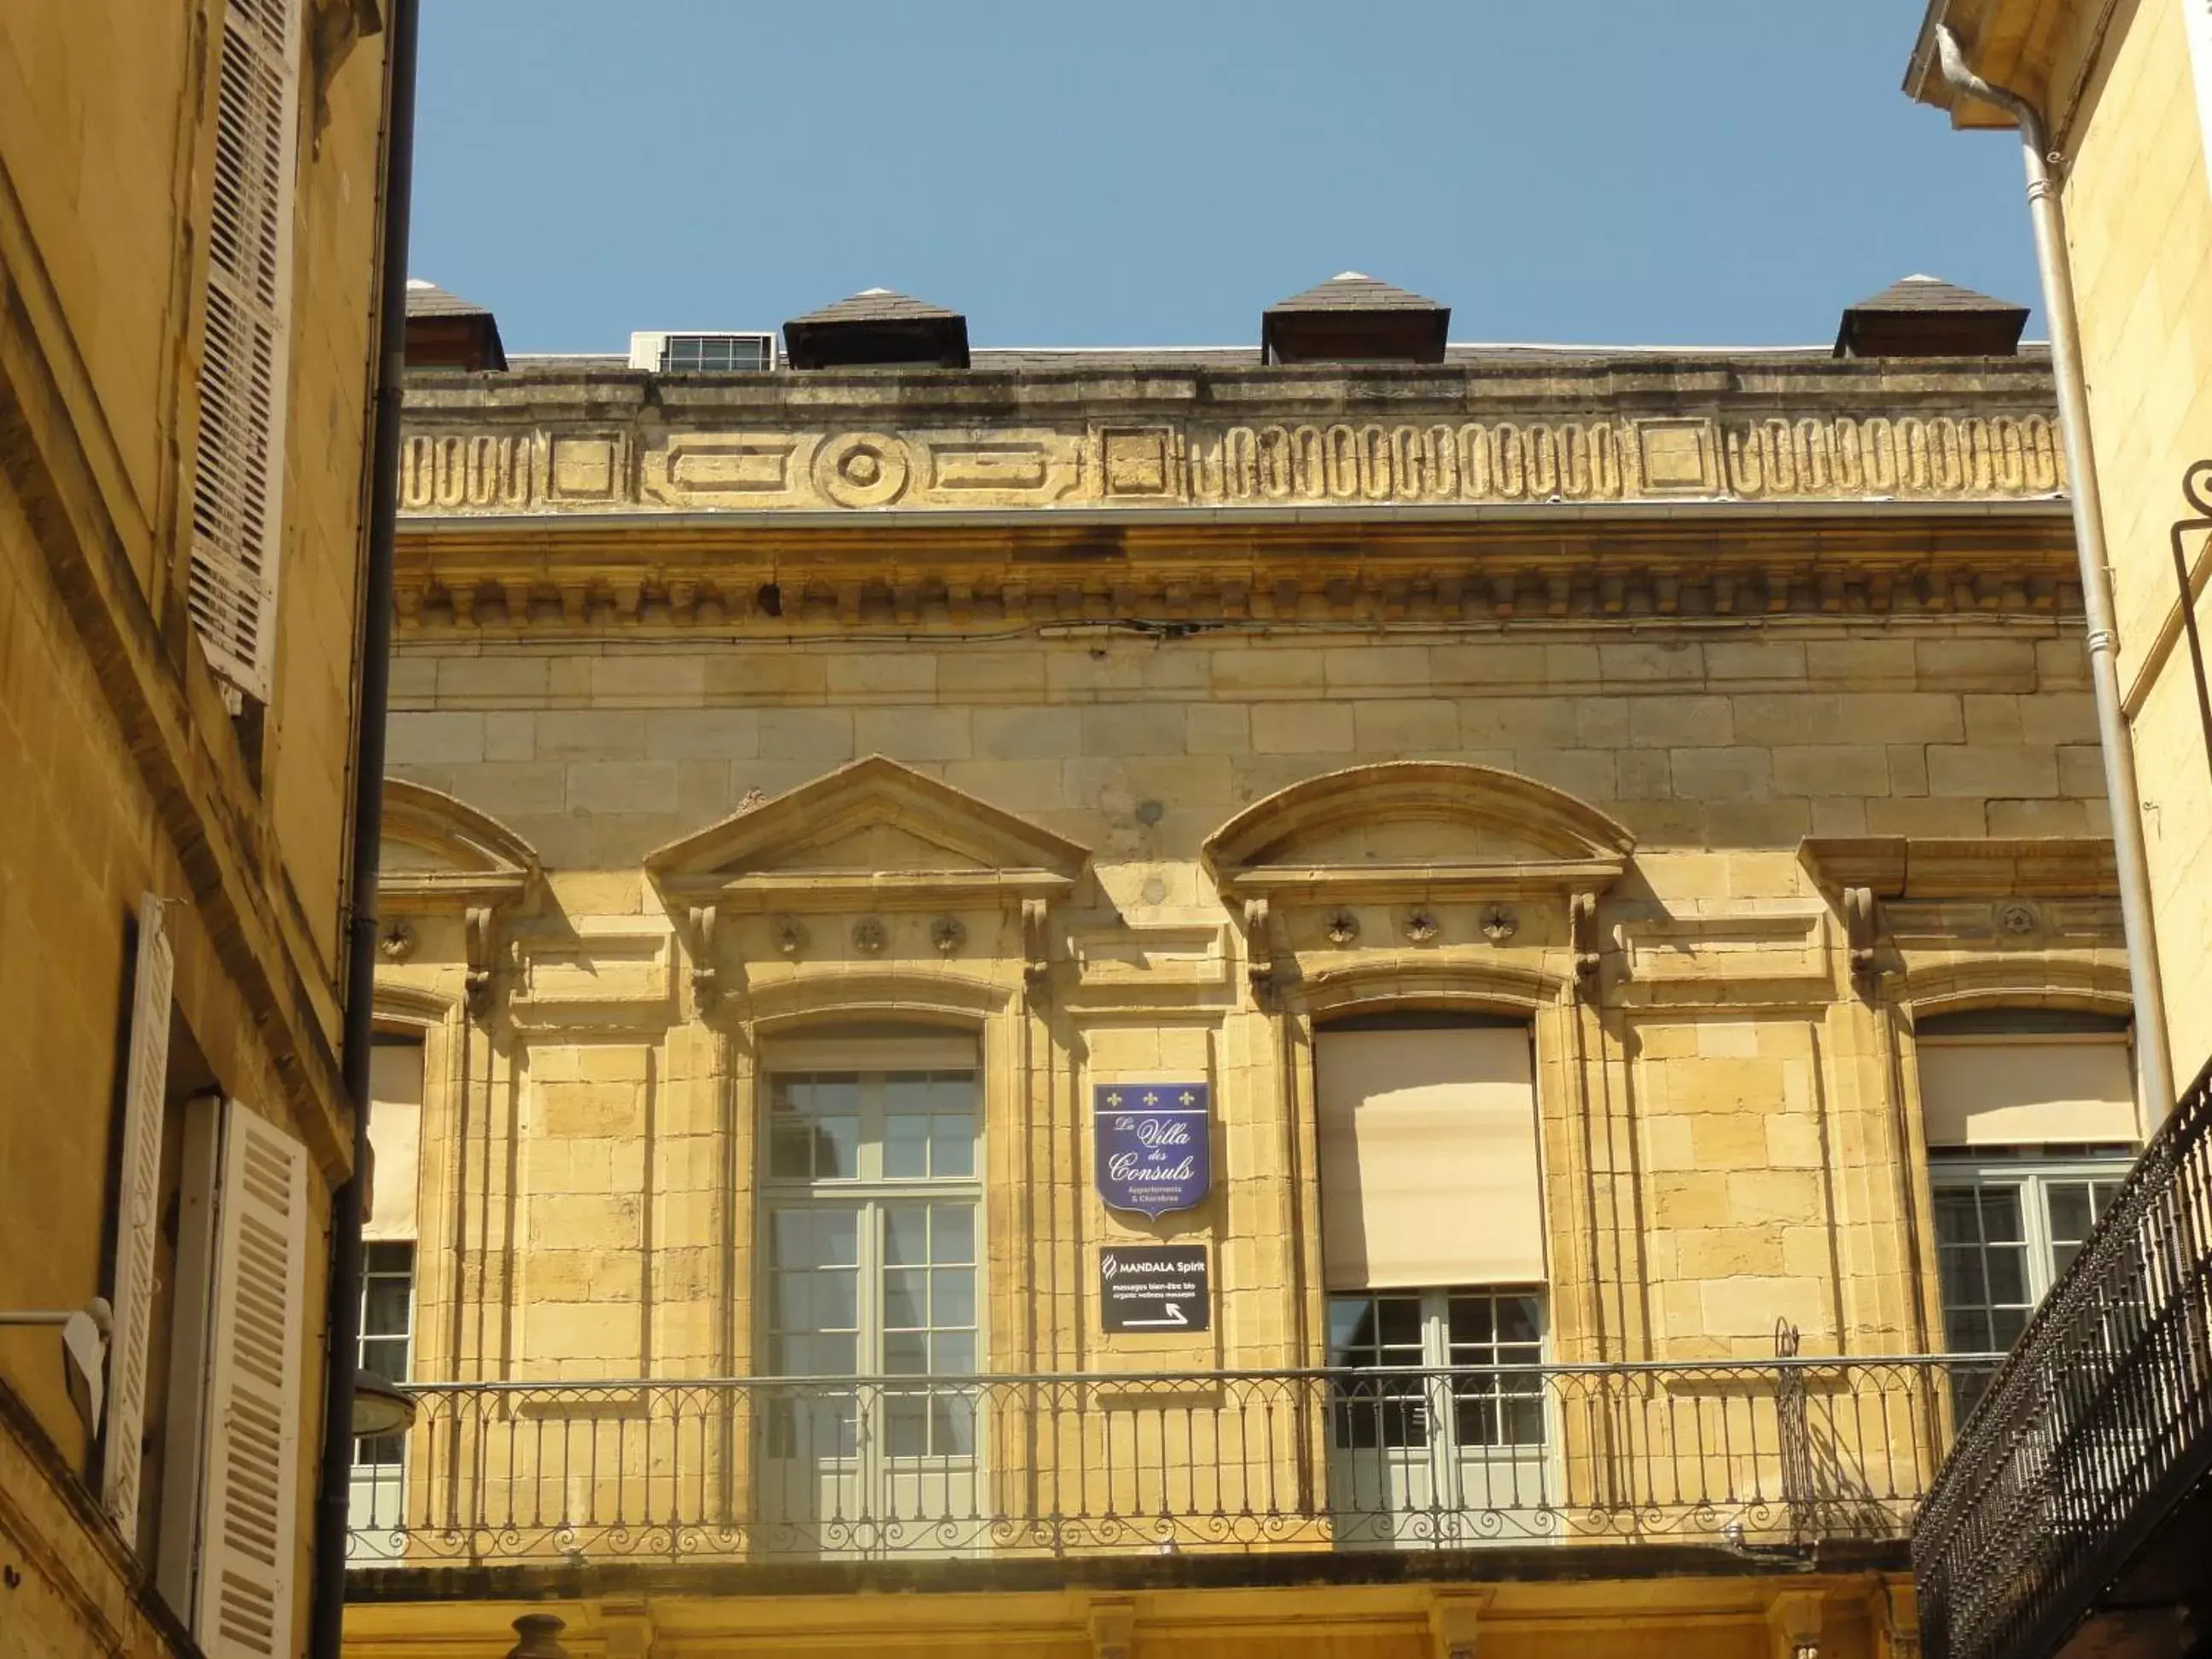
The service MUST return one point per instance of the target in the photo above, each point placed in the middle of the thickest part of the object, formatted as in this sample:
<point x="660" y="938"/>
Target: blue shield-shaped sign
<point x="1154" y="1143"/>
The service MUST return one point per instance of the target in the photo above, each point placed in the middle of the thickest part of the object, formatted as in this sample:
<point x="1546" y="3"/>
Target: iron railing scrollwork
<point x="1784" y="1450"/>
<point x="2098" y="1423"/>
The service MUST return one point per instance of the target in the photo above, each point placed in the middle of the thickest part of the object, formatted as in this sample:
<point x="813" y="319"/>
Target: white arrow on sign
<point x="1175" y="1317"/>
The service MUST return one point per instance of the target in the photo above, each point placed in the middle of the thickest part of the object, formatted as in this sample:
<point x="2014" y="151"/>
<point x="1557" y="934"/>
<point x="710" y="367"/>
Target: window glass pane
<point x="951" y="1232"/>
<point x="906" y="1298"/>
<point x="790" y="1239"/>
<point x="390" y="1257"/>
<point x="906" y="1234"/>
<point x="906" y="1146"/>
<point x="837" y="1238"/>
<point x="1399" y="1320"/>
<point x="906" y="1354"/>
<point x="2068" y="1203"/>
<point x="953" y="1146"/>
<point x="953" y="1354"/>
<point x="952" y="1297"/>
<point x="384" y="1310"/>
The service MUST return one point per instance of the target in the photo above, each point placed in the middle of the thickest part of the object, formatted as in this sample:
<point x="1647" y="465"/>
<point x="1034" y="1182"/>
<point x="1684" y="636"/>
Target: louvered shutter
<point x="239" y="479"/>
<point x="136" y="1218"/>
<point x="243" y="1601"/>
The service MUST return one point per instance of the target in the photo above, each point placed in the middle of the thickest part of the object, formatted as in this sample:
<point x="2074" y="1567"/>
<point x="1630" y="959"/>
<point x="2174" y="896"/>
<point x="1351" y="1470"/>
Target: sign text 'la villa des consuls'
<point x="1154" y="1144"/>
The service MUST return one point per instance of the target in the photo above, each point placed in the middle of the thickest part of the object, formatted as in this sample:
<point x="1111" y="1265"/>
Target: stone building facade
<point x="188" y="224"/>
<point x="1598" y="856"/>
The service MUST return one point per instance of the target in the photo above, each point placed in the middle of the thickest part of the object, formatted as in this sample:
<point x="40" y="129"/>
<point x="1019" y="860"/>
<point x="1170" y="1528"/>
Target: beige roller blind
<point x="395" y="1137"/>
<point x="1999" y="1091"/>
<point x="1428" y="1159"/>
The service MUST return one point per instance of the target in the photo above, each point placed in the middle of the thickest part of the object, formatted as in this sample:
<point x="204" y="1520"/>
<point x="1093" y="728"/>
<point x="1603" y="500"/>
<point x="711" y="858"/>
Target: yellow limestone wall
<point x="117" y="757"/>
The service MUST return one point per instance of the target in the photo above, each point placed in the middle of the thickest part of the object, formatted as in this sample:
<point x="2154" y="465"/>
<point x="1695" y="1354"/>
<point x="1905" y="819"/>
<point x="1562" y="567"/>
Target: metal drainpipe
<point x="341" y="1351"/>
<point x="2154" y="1061"/>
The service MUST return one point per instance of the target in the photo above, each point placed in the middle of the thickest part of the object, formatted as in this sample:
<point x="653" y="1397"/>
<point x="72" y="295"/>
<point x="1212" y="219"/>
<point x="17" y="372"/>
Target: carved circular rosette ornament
<point x="861" y="468"/>
<point x="2017" y="919"/>
<point x="790" y="937"/>
<point x="870" y="936"/>
<point x="396" y="944"/>
<point x="1343" y="929"/>
<point x="1421" y="924"/>
<point x="948" y="934"/>
<point x="1500" y="923"/>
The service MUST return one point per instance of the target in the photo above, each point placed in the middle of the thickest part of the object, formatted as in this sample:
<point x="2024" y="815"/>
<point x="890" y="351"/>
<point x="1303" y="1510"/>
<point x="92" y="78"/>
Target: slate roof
<point x="1921" y="293"/>
<point x="878" y="305"/>
<point x="429" y="300"/>
<point x="1355" y="290"/>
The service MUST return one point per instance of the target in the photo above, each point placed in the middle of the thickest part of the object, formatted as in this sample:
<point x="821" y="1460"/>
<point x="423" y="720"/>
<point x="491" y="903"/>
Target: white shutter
<point x="247" y="1525"/>
<point x="137" y="1217"/>
<point x="238" y="468"/>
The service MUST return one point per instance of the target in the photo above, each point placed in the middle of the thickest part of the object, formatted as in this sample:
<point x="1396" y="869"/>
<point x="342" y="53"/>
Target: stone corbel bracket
<point x="1583" y="933"/>
<point x="706" y="969"/>
<point x="1975" y="894"/>
<point x="1859" y="935"/>
<point x="1259" y="951"/>
<point x="444" y="858"/>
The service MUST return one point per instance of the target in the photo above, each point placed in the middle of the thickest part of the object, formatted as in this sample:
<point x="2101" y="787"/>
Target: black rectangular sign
<point x="1154" y="1287"/>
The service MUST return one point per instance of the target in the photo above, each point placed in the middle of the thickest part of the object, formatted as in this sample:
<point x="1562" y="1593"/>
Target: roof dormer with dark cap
<point x="1927" y="317"/>
<point x="444" y="330"/>
<point x="876" y="328"/>
<point x="1353" y="319"/>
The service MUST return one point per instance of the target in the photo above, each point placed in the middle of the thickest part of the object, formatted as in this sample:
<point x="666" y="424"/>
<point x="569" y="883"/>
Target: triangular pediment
<point x="1418" y="825"/>
<point x="873" y="826"/>
<point x="436" y="847"/>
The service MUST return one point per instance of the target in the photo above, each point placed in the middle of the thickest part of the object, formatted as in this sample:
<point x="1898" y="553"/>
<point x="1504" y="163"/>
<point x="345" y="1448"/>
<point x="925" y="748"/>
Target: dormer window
<point x="1354" y="318"/>
<point x="1927" y="317"/>
<point x="877" y="328"/>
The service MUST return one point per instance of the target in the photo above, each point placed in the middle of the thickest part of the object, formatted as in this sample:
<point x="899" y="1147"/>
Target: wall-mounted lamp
<point x="378" y="1408"/>
<point x="84" y="1353"/>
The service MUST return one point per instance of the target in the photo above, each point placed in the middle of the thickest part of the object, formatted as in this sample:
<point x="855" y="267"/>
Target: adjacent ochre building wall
<point x="118" y="757"/>
<point x="2117" y="84"/>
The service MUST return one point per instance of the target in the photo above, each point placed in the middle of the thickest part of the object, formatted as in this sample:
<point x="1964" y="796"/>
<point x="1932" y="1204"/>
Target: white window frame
<point x="2032" y="1173"/>
<point x="377" y="1490"/>
<point x="648" y="349"/>
<point x="867" y="1191"/>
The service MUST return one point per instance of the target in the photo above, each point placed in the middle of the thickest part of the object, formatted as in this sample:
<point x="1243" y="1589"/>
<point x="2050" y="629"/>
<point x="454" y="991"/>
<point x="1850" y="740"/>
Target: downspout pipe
<point x="343" y="1348"/>
<point x="2154" y="1060"/>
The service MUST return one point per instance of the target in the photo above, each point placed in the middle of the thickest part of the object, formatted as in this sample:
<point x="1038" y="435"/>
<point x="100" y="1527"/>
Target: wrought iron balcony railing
<point x="2095" y="1427"/>
<point x="1791" y="1450"/>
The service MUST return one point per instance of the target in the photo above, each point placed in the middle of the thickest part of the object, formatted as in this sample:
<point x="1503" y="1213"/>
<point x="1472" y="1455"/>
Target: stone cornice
<point x="551" y="573"/>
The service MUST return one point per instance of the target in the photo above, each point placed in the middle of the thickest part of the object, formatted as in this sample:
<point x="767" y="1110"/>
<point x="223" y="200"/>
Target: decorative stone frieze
<point x="1605" y="428"/>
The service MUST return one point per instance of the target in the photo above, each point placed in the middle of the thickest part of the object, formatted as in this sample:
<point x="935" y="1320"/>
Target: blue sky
<point x="1156" y="172"/>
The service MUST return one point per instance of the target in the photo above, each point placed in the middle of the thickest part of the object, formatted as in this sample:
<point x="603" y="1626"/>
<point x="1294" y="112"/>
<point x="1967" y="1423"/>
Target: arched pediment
<point x="871" y="832"/>
<point x="1406" y="828"/>
<point x="439" y="851"/>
